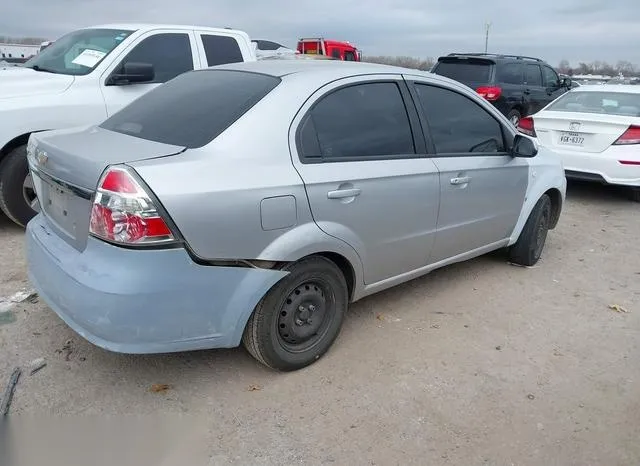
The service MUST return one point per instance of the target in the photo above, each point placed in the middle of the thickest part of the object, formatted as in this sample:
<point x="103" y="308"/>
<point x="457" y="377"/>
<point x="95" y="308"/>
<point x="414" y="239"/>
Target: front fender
<point x="49" y="112"/>
<point x="544" y="174"/>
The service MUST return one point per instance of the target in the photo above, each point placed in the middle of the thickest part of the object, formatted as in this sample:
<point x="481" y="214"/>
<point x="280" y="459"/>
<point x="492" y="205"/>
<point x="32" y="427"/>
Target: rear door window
<point x="510" y="73"/>
<point x="533" y="75"/>
<point x="476" y="71"/>
<point x="193" y="109"/>
<point x="363" y="121"/>
<point x="221" y="50"/>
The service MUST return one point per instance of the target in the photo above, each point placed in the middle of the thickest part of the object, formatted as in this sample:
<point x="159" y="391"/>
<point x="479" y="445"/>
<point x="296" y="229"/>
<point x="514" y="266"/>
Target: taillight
<point x="491" y="93"/>
<point x="526" y="126"/>
<point x="630" y="136"/>
<point x="124" y="213"/>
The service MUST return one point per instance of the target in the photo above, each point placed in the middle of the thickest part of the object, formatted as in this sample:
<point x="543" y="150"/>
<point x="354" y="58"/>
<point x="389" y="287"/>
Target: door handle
<point x="461" y="180"/>
<point x="342" y="193"/>
<point x="527" y="92"/>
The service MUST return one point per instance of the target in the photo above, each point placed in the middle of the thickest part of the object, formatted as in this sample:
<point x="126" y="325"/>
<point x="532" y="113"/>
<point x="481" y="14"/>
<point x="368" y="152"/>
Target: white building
<point x="17" y="53"/>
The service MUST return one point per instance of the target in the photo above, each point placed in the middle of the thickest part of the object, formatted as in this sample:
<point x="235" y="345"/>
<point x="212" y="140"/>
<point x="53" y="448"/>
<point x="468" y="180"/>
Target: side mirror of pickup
<point x="524" y="147"/>
<point x="566" y="82"/>
<point x="131" y="73"/>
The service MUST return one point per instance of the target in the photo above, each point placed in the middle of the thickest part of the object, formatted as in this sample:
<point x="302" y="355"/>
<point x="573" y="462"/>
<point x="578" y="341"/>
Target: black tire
<point x="281" y="333"/>
<point x="528" y="249"/>
<point x="14" y="170"/>
<point x="635" y="194"/>
<point x="514" y="117"/>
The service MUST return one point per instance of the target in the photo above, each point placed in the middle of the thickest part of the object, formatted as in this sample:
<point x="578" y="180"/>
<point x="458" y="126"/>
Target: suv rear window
<point x="192" y="109"/>
<point x="476" y="71"/>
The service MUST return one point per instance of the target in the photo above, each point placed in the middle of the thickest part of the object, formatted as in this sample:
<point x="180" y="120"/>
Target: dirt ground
<point x="478" y="363"/>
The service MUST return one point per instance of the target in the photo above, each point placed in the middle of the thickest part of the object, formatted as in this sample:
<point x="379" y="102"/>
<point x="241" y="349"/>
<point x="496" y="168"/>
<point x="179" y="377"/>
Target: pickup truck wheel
<point x="528" y="249"/>
<point x="298" y="320"/>
<point x="17" y="196"/>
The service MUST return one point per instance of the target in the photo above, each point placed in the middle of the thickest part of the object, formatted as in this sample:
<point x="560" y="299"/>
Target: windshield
<point x="609" y="103"/>
<point x="79" y="52"/>
<point x="465" y="71"/>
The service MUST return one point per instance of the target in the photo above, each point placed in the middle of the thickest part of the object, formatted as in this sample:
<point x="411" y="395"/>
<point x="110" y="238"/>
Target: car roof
<point x="339" y="68"/>
<point x="495" y="57"/>
<point x="143" y="27"/>
<point x="619" y="88"/>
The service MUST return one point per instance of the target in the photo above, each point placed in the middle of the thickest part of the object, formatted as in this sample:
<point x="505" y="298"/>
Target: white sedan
<point x="596" y="132"/>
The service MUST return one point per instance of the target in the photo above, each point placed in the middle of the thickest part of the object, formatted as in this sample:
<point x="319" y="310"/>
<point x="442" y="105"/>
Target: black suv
<point x="517" y="86"/>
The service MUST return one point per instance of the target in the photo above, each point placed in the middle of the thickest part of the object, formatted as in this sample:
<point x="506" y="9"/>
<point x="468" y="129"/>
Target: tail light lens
<point x="630" y="136"/>
<point x="526" y="126"/>
<point x="124" y="213"/>
<point x="491" y="93"/>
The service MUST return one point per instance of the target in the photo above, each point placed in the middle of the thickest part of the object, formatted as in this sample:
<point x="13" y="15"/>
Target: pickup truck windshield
<point x="78" y="52"/>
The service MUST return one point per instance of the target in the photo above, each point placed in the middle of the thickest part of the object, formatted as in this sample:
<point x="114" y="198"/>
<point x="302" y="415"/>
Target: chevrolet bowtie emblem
<point x="41" y="157"/>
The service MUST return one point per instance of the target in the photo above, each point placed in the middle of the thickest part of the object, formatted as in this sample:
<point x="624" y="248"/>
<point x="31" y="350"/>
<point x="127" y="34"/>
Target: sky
<point x="576" y="30"/>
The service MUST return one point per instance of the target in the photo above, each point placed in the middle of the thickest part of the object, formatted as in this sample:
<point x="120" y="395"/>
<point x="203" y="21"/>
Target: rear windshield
<point x="192" y="109"/>
<point x="610" y="103"/>
<point x="465" y="71"/>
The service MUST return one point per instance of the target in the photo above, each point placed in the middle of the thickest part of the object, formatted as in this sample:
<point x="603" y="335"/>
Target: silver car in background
<point x="253" y="202"/>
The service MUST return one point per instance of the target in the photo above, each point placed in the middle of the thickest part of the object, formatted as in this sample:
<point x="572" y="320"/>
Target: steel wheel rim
<point x="305" y="316"/>
<point x="541" y="233"/>
<point x="29" y="193"/>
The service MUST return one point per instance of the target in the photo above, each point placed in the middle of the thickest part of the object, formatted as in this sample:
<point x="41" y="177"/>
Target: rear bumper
<point x="143" y="301"/>
<point x="604" y="168"/>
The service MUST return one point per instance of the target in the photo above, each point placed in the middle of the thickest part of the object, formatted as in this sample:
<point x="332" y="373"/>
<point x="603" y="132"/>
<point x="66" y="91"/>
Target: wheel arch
<point x="556" y="206"/>
<point x="15" y="143"/>
<point x="341" y="261"/>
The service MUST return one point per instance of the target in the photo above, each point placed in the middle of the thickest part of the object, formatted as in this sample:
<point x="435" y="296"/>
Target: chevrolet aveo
<point x="253" y="202"/>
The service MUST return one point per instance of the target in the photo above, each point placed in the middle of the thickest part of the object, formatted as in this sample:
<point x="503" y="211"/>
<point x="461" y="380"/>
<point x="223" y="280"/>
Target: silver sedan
<point x="253" y="202"/>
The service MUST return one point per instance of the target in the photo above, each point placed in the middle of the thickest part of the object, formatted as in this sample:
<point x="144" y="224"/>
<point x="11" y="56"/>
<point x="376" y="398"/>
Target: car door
<point x="534" y="90"/>
<point x="482" y="187"/>
<point x="361" y="155"/>
<point x="219" y="49"/>
<point x="170" y="52"/>
<point x="552" y="84"/>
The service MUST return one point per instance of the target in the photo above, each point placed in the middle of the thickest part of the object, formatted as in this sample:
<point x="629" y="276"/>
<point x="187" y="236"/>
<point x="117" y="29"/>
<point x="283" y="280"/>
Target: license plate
<point x="571" y="139"/>
<point x="57" y="202"/>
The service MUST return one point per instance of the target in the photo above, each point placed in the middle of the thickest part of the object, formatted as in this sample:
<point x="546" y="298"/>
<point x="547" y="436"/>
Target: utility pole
<point x="487" y="26"/>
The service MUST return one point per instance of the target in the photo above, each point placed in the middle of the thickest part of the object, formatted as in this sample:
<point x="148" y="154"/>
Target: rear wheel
<point x="528" y="249"/>
<point x="300" y="317"/>
<point x="17" y="196"/>
<point x="514" y="117"/>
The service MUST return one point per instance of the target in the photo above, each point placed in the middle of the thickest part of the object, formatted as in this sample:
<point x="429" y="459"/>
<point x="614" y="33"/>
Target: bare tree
<point x="564" y="66"/>
<point x="625" y="67"/>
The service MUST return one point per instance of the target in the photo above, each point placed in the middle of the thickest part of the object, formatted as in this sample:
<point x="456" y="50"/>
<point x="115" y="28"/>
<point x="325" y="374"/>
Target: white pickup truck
<point x="86" y="76"/>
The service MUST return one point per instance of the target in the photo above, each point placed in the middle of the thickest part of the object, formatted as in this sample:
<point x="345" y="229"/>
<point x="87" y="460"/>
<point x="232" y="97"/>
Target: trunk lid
<point x="66" y="167"/>
<point x="580" y="132"/>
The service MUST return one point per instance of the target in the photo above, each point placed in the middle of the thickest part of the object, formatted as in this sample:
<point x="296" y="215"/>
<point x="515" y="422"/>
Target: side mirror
<point x="131" y="73"/>
<point x="565" y="82"/>
<point x="524" y="147"/>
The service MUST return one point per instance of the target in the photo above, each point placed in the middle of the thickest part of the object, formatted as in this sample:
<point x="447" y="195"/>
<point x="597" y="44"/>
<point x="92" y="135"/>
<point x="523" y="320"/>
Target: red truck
<point x="339" y="50"/>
